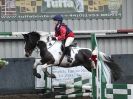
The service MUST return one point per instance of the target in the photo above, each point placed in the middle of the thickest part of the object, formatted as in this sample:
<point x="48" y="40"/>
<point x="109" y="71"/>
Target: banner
<point x="63" y="76"/>
<point x="70" y="9"/>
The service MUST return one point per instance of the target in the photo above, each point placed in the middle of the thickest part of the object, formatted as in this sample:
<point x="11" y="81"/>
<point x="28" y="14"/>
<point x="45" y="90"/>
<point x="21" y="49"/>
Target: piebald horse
<point x="51" y="52"/>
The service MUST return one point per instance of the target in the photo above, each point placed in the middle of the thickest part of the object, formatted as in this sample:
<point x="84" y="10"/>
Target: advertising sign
<point x="70" y="9"/>
<point x="63" y="75"/>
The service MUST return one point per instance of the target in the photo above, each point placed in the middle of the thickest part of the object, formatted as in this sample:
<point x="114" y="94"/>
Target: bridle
<point x="36" y="48"/>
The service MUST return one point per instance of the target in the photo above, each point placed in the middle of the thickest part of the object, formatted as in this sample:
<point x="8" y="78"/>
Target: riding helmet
<point x="58" y="18"/>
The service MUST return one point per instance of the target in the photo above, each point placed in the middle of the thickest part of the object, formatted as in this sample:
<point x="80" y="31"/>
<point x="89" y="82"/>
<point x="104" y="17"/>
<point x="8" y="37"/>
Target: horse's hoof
<point x="53" y="76"/>
<point x="37" y="75"/>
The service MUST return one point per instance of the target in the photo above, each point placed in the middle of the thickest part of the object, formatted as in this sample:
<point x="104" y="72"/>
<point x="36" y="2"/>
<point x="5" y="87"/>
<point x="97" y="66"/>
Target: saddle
<point x="63" y="48"/>
<point x="72" y="45"/>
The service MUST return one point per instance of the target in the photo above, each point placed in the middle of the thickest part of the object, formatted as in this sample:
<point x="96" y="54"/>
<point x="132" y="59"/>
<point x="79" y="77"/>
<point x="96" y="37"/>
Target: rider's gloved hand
<point x="54" y="38"/>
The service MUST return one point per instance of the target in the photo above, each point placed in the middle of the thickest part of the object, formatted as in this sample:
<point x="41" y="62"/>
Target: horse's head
<point x="31" y="40"/>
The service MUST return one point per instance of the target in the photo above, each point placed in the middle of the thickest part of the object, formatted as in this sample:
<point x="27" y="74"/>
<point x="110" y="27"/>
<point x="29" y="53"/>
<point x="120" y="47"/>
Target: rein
<point x="51" y="44"/>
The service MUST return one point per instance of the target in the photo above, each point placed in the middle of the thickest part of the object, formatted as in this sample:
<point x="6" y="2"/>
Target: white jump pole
<point x="128" y="31"/>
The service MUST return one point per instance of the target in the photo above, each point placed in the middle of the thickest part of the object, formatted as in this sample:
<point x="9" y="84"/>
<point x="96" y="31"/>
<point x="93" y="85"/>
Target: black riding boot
<point x="68" y="54"/>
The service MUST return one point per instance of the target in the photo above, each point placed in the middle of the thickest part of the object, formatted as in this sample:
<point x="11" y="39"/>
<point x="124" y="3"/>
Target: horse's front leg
<point x="36" y="63"/>
<point x="44" y="69"/>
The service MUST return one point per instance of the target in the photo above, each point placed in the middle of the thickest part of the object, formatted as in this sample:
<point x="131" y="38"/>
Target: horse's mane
<point x="35" y="34"/>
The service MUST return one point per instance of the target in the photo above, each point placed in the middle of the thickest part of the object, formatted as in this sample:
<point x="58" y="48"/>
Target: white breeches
<point x="69" y="41"/>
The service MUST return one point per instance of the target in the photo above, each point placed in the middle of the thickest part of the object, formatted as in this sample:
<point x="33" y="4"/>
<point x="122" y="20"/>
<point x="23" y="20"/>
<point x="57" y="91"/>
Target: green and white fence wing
<point x="119" y="91"/>
<point x="103" y="76"/>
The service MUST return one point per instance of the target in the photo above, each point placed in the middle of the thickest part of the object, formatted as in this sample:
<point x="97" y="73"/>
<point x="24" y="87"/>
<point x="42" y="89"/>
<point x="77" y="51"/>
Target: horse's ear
<point x="25" y="36"/>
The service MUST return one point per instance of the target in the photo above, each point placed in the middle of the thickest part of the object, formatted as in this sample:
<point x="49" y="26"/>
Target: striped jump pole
<point x="119" y="91"/>
<point x="76" y="89"/>
<point x="78" y="82"/>
<point x="72" y="96"/>
<point x="106" y="31"/>
<point x="86" y="87"/>
<point x="85" y="31"/>
<point x="20" y="33"/>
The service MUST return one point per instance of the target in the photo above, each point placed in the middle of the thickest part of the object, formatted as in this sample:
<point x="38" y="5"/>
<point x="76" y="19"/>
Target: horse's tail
<point x="115" y="69"/>
<point x="83" y="56"/>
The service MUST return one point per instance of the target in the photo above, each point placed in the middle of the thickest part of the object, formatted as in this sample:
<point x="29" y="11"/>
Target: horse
<point x="51" y="52"/>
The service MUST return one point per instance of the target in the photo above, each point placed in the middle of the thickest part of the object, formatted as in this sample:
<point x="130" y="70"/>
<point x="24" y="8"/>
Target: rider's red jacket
<point x="63" y="32"/>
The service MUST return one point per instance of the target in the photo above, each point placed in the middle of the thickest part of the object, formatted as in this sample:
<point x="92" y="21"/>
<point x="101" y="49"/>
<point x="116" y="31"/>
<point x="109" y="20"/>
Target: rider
<point x="63" y="33"/>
